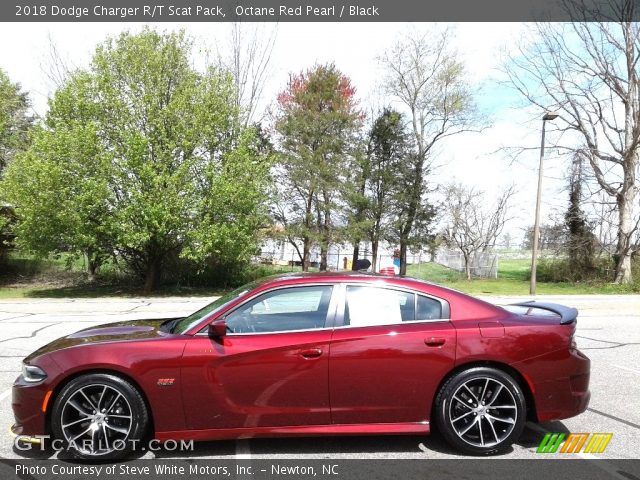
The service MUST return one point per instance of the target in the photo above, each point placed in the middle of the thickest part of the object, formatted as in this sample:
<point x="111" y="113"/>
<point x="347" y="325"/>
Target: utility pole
<point x="536" y="225"/>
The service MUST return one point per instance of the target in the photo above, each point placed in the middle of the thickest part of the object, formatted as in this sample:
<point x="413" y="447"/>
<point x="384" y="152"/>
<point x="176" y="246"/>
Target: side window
<point x="370" y="306"/>
<point x="428" y="308"/>
<point x="286" y="309"/>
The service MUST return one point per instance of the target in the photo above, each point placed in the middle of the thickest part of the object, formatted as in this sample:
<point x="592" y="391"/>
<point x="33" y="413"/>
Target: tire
<point x="476" y="428"/>
<point x="99" y="417"/>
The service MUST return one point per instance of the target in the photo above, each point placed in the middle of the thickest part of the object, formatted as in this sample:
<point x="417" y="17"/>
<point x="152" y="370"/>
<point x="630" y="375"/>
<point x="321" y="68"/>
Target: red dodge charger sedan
<point x="310" y="354"/>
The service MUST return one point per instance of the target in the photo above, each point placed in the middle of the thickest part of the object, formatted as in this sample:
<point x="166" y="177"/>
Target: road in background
<point x="608" y="332"/>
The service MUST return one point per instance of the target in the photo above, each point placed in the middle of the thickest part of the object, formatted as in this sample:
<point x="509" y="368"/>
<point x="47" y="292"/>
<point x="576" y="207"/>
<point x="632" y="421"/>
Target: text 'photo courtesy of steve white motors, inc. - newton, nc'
<point x="169" y="469"/>
<point x="238" y="11"/>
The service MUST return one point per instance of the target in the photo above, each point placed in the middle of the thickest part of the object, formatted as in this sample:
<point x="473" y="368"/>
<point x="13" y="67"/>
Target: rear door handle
<point x="311" y="353"/>
<point x="435" y="341"/>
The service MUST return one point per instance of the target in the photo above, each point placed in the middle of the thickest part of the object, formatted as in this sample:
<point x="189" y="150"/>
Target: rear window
<point x="370" y="306"/>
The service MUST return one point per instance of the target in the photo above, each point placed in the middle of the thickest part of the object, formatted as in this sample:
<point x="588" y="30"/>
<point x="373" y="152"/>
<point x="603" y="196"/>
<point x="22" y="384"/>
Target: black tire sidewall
<point x="140" y="420"/>
<point x="446" y="393"/>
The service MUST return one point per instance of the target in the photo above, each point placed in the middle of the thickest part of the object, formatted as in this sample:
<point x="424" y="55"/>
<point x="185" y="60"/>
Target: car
<point x="309" y="354"/>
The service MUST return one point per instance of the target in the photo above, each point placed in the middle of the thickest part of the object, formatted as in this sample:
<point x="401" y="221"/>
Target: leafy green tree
<point x="389" y="153"/>
<point x="316" y="123"/>
<point x="15" y="119"/>
<point x="376" y="182"/>
<point x="15" y="122"/>
<point x="146" y="158"/>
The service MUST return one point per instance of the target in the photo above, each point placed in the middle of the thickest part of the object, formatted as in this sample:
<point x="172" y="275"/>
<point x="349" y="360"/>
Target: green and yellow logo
<point x="574" y="443"/>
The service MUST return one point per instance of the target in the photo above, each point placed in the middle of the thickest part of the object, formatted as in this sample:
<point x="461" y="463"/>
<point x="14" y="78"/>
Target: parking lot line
<point x="5" y="394"/>
<point x="626" y="368"/>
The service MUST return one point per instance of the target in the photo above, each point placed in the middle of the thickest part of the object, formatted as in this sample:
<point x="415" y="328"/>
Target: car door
<point x="390" y="349"/>
<point x="271" y="368"/>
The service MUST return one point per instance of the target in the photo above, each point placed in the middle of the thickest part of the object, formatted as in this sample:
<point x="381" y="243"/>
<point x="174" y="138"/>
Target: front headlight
<point x="32" y="374"/>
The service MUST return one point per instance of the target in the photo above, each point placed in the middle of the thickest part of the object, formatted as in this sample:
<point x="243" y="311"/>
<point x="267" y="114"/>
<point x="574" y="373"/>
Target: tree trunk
<point x="374" y="254"/>
<point x="403" y="256"/>
<point x="93" y="265"/>
<point x="306" y="248"/>
<point x="326" y="231"/>
<point x="625" y="230"/>
<point x="467" y="267"/>
<point x="323" y="258"/>
<point x="152" y="275"/>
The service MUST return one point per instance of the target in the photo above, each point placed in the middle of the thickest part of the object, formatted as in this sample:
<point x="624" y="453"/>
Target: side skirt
<point x="421" y="428"/>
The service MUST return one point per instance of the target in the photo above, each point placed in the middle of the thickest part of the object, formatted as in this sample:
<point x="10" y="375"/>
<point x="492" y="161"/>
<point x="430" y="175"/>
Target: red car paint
<point x="335" y="380"/>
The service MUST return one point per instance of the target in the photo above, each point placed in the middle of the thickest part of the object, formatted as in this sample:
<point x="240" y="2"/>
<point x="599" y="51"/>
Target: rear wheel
<point x="99" y="416"/>
<point x="481" y="411"/>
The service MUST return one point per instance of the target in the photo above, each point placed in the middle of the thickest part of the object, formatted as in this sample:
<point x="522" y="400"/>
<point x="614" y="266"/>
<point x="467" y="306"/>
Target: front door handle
<point x="311" y="353"/>
<point x="435" y="341"/>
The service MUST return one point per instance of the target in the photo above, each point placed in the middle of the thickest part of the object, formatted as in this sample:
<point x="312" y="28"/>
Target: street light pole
<point x="536" y="225"/>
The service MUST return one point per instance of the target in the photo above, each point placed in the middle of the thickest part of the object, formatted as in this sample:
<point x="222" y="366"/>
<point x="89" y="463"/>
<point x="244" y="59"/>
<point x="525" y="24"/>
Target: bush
<point x="563" y="270"/>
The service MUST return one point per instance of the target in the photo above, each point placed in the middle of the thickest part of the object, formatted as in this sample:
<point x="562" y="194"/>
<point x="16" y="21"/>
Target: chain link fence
<point x="482" y="264"/>
<point x="336" y="261"/>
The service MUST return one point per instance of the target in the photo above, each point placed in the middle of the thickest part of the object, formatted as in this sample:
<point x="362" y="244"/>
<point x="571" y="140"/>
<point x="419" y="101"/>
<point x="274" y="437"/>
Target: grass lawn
<point x="512" y="280"/>
<point x="97" y="291"/>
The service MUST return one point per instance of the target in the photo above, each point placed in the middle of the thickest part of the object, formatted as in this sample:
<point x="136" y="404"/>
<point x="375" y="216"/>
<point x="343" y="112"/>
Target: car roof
<point x="342" y="276"/>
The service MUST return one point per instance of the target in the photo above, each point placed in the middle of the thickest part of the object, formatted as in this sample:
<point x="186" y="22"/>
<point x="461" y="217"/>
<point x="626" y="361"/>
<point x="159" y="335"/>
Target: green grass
<point x="99" y="291"/>
<point x="512" y="280"/>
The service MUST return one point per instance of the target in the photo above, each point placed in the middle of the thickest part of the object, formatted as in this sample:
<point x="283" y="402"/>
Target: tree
<point x="424" y="74"/>
<point x="388" y="149"/>
<point x="248" y="59"/>
<point x="15" y="119"/>
<point x="589" y="72"/>
<point x="471" y="225"/>
<point x="357" y="203"/>
<point x="375" y="181"/>
<point x="316" y="122"/>
<point x="15" y="123"/>
<point x="552" y="236"/>
<point x="143" y="156"/>
<point x="581" y="242"/>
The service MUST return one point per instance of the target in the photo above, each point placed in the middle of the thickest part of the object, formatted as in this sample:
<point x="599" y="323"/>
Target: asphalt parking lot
<point x="608" y="332"/>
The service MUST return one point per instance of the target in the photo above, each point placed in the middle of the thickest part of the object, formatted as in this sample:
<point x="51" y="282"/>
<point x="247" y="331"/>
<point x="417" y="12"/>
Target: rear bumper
<point x="559" y="382"/>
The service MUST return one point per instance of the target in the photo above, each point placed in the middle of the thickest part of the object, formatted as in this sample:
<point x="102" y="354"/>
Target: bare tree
<point x="471" y="225"/>
<point x="425" y="75"/>
<point x="589" y="73"/>
<point x="248" y="59"/>
<point x="55" y="67"/>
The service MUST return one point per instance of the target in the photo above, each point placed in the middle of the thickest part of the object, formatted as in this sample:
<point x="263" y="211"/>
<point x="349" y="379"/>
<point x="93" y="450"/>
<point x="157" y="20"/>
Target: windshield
<point x="193" y="319"/>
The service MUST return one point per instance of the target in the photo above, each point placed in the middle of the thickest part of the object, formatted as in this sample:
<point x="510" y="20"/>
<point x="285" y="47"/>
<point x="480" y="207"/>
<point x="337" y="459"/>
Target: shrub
<point x="564" y="270"/>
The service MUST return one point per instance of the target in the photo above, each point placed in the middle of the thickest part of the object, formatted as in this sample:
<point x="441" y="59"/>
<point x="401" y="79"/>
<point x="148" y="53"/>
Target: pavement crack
<point x="611" y="344"/>
<point x="33" y="334"/>
<point x="22" y="315"/>
<point x="131" y="310"/>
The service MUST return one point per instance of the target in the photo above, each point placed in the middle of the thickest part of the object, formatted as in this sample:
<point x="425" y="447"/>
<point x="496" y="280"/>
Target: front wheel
<point x="481" y="411"/>
<point x="99" y="416"/>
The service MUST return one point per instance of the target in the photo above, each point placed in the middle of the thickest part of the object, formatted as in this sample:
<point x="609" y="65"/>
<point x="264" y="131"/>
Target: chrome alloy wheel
<point x="96" y="419"/>
<point x="483" y="412"/>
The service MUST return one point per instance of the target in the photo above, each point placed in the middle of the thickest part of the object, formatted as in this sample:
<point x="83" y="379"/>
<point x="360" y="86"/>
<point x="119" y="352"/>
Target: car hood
<point x="112" y="332"/>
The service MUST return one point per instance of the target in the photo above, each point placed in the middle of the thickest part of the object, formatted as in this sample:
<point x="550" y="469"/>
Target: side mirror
<point x="218" y="329"/>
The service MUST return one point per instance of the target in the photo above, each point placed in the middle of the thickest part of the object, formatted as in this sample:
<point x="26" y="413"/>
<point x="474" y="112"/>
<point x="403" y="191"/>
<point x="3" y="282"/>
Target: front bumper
<point x="29" y="408"/>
